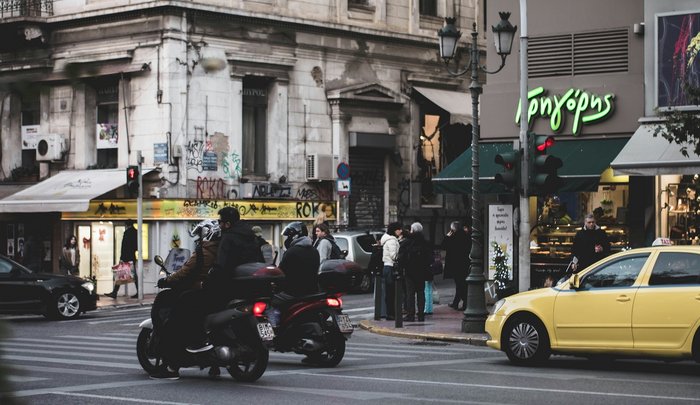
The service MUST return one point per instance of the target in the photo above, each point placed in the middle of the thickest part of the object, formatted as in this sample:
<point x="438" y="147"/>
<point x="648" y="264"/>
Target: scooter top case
<point x="340" y="276"/>
<point x="253" y="280"/>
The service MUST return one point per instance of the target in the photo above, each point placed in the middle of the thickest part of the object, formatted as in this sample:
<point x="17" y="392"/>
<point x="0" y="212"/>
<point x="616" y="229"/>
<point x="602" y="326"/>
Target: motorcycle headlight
<point x="498" y="305"/>
<point x="88" y="286"/>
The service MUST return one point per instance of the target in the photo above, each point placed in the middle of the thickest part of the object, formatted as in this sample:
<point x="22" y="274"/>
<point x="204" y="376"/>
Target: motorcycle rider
<point x="300" y="262"/>
<point x="237" y="246"/>
<point x="189" y="277"/>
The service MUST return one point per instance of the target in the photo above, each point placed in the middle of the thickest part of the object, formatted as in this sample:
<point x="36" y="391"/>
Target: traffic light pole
<point x="139" y="226"/>
<point x="524" y="229"/>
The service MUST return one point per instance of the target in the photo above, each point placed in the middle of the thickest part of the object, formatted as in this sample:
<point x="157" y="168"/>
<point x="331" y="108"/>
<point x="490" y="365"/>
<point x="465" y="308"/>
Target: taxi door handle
<point x="623" y="298"/>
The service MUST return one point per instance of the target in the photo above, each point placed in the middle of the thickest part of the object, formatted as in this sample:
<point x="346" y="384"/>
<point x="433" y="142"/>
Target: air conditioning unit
<point x="50" y="147"/>
<point x="319" y="167"/>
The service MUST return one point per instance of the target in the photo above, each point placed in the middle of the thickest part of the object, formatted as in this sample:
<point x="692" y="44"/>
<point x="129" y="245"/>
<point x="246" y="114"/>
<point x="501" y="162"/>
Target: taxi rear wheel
<point x="525" y="341"/>
<point x="696" y="346"/>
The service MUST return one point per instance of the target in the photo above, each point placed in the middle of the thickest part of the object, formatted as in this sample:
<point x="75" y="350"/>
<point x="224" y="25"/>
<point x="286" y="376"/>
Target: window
<point x="107" y="123"/>
<point x="254" y="158"/>
<point x="620" y="273"/>
<point x="675" y="268"/>
<point x="366" y="242"/>
<point x="30" y="120"/>
<point x="428" y="7"/>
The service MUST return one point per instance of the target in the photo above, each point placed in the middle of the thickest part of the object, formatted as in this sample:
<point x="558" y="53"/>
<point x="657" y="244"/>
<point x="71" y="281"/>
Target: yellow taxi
<point x="640" y="303"/>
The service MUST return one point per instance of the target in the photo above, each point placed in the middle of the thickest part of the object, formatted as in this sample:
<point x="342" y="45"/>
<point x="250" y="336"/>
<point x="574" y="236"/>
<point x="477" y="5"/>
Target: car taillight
<point x="334" y="302"/>
<point x="259" y="308"/>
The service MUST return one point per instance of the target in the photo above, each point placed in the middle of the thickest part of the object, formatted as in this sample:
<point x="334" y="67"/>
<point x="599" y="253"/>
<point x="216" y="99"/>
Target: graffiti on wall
<point x="232" y="165"/>
<point x="203" y="154"/>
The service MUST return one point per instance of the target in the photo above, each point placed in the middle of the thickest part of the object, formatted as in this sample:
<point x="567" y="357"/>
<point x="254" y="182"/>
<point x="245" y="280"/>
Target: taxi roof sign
<point x="662" y="242"/>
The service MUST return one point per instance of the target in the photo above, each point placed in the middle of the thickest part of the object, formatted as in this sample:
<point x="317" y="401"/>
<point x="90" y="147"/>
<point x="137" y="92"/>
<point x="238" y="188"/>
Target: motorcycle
<point x="313" y="325"/>
<point x="240" y="337"/>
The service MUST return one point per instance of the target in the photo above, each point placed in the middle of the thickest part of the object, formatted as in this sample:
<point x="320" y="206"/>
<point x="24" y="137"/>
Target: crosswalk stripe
<point x="118" y="319"/>
<point x="24" y="378"/>
<point x="101" y="338"/>
<point x="110" y="348"/>
<point x="62" y="370"/>
<point x="72" y="361"/>
<point x="446" y="348"/>
<point x="101" y="343"/>
<point x="75" y="354"/>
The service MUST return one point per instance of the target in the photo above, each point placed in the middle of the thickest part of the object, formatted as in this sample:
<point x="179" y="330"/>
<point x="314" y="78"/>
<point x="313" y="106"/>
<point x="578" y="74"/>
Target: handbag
<point x="122" y="273"/>
<point x="436" y="266"/>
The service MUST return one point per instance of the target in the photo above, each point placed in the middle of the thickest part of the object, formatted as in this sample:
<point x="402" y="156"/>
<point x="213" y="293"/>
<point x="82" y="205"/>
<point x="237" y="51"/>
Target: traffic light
<point x="132" y="179"/>
<point x="511" y="164"/>
<point x="543" y="178"/>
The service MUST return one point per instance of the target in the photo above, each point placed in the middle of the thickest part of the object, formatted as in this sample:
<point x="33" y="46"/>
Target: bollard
<point x="378" y="298"/>
<point x="398" y="299"/>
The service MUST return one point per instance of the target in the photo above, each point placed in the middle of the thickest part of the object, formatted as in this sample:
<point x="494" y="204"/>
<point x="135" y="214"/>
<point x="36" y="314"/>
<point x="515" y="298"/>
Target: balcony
<point x="25" y="8"/>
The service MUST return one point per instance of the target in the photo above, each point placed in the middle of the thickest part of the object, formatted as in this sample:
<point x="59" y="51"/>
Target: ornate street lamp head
<point x="448" y="35"/>
<point x="503" y="34"/>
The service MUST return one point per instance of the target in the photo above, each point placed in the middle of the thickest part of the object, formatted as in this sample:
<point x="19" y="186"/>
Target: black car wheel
<point x="525" y="341"/>
<point x="65" y="305"/>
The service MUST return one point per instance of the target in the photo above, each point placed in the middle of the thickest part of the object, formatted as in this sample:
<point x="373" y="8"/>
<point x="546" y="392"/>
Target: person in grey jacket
<point x="390" y="252"/>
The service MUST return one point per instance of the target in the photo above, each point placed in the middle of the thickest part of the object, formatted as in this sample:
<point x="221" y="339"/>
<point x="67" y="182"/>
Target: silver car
<point x="357" y="247"/>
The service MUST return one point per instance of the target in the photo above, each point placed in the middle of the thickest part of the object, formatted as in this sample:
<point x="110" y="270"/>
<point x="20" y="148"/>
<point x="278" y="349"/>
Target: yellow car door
<point x="669" y="306"/>
<point x="598" y="314"/>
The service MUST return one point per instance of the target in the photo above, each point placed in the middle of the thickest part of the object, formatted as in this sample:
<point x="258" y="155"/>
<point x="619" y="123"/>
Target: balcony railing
<point x="25" y="8"/>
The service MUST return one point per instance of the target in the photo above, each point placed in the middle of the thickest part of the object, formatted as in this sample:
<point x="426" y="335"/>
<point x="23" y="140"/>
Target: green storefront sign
<point x="586" y="108"/>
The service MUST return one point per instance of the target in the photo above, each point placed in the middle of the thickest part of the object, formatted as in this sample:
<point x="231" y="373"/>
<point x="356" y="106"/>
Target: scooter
<point x="240" y="337"/>
<point x="313" y="325"/>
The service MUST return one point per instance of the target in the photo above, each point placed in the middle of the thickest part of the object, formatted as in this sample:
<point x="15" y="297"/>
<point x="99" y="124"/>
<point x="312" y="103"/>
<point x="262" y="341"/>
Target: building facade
<point x="252" y="104"/>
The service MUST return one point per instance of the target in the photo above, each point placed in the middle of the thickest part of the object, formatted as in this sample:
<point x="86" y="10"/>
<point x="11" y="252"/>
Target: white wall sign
<point x="501" y="232"/>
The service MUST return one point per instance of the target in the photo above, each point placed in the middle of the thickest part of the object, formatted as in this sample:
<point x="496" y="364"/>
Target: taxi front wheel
<point x="525" y="341"/>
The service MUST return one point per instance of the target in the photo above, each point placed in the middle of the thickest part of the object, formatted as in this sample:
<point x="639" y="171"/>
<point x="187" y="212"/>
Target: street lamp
<point x="475" y="312"/>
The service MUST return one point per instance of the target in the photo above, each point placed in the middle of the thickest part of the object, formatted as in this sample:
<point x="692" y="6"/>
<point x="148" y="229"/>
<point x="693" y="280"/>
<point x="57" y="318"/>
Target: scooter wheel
<point x="331" y="355"/>
<point x="149" y="363"/>
<point x="250" y="365"/>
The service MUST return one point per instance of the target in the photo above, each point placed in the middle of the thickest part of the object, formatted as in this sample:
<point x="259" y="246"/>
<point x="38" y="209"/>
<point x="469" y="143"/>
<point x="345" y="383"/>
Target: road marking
<point x="355" y="395"/>
<point x="89" y="387"/>
<point x="359" y="310"/>
<point x="117" y="319"/>
<point x="23" y="378"/>
<point x="71" y="361"/>
<point x="100" y="338"/>
<point x="76" y="354"/>
<point x="506" y="387"/>
<point x="57" y="370"/>
<point x="81" y="348"/>
<point x="448" y="348"/>
<point x="120" y="399"/>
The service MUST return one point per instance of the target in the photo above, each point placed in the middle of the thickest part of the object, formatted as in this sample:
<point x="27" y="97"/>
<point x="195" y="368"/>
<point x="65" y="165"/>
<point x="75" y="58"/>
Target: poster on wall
<point x="107" y="136"/>
<point x="30" y="136"/>
<point x="677" y="64"/>
<point x="10" y="240"/>
<point x="500" y="237"/>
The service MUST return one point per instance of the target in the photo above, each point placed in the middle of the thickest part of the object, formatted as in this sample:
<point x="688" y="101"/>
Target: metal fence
<point x="26" y="8"/>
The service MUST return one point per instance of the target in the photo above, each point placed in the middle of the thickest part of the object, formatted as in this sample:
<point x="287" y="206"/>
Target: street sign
<point x="343" y="171"/>
<point x="343" y="187"/>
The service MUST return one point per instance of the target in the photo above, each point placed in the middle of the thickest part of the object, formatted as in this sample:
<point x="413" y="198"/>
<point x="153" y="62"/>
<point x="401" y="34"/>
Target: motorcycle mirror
<point x="159" y="260"/>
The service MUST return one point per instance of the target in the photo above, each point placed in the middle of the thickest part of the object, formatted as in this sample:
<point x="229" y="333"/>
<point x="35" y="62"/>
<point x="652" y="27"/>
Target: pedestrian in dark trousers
<point x="415" y="257"/>
<point x="590" y="245"/>
<point x="128" y="255"/>
<point x="457" y="245"/>
<point x="390" y="254"/>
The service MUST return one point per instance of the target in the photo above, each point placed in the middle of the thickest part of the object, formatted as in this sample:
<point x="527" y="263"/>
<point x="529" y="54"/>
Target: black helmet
<point x="293" y="231"/>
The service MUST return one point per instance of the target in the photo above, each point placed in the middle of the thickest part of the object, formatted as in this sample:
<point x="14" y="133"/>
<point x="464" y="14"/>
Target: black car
<point x="23" y="291"/>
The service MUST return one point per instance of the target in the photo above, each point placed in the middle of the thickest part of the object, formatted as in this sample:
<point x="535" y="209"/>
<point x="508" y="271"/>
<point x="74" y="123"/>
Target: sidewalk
<point x="444" y="324"/>
<point x="123" y="301"/>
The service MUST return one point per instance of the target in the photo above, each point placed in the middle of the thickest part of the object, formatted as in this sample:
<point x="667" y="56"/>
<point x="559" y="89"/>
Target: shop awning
<point x="456" y="177"/>
<point x="67" y="191"/>
<point x="649" y="155"/>
<point x="584" y="162"/>
<point x="457" y="103"/>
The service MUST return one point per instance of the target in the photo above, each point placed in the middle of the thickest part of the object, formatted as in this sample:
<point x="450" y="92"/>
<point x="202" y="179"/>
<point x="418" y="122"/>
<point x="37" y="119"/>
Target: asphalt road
<point x="92" y="360"/>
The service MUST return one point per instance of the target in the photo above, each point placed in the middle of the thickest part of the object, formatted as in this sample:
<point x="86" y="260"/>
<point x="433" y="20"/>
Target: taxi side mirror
<point x="575" y="281"/>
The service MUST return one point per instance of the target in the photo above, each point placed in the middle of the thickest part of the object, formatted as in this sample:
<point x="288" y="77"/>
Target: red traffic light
<point x="132" y="173"/>
<point x="543" y="144"/>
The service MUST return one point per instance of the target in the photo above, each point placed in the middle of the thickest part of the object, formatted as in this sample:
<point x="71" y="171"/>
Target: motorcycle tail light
<point x="259" y="308"/>
<point x="334" y="302"/>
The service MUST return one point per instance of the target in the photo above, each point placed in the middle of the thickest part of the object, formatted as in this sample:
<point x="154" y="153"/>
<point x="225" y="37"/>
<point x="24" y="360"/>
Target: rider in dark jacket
<point x="300" y="261"/>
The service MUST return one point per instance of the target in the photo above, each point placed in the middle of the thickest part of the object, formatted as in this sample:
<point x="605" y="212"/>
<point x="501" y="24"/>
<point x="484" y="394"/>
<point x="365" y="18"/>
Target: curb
<point x="474" y="339"/>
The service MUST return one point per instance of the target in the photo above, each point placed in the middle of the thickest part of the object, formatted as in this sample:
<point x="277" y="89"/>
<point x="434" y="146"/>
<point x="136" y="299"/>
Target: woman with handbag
<point x="128" y="255"/>
<point x="70" y="257"/>
<point x="457" y="246"/>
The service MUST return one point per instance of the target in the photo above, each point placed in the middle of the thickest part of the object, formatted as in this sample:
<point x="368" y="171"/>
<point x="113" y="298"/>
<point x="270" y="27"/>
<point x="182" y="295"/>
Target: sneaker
<point x="200" y="347"/>
<point x="165" y="373"/>
<point x="110" y="295"/>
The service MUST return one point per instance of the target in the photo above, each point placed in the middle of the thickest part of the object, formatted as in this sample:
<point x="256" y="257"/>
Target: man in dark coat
<point x="300" y="262"/>
<point x="415" y="257"/>
<point x="128" y="255"/>
<point x="457" y="245"/>
<point x="590" y="245"/>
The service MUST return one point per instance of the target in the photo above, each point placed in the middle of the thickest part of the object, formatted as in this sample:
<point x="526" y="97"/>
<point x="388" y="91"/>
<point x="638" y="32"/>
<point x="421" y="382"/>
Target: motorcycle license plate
<point x="265" y="331"/>
<point x="344" y="323"/>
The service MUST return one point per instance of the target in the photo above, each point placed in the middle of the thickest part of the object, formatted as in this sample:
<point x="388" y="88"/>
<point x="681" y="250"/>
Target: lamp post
<point x="475" y="312"/>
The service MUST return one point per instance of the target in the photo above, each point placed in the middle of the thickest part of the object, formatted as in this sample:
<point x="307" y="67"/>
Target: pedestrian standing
<point x="590" y="245"/>
<point x="457" y="246"/>
<point x="70" y="257"/>
<point x="415" y="257"/>
<point x="390" y="254"/>
<point x="128" y="255"/>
